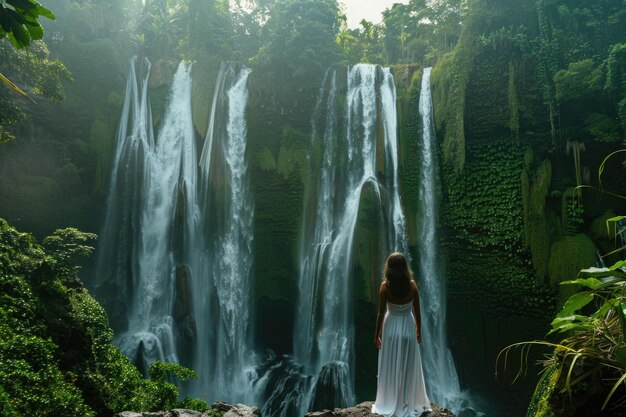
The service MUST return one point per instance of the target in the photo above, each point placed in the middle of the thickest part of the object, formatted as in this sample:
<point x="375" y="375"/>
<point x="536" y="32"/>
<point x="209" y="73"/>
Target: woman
<point x="401" y="390"/>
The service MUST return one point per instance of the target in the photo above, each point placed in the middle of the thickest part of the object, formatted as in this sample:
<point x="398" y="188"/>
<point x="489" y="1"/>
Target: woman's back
<point x="399" y="298"/>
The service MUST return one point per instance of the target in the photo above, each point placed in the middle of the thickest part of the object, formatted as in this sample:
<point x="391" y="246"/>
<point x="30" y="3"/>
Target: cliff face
<point x="517" y="138"/>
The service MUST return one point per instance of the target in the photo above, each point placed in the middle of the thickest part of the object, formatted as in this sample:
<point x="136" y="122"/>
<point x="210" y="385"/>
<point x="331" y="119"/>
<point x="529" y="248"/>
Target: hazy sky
<point x="366" y="9"/>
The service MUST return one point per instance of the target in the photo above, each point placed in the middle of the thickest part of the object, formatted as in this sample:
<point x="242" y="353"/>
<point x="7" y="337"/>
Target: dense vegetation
<point x="56" y="351"/>
<point x="529" y="97"/>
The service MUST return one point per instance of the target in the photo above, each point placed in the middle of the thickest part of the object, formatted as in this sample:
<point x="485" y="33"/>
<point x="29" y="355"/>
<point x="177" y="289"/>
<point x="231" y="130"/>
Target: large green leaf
<point x="35" y="31"/>
<point x="575" y="303"/>
<point x="571" y="326"/>
<point x="45" y="12"/>
<point x="607" y="306"/>
<point x="19" y="20"/>
<point x="602" y="273"/>
<point x="591" y="283"/>
<point x="618" y="265"/>
<point x="574" y="322"/>
<point x="25" y="5"/>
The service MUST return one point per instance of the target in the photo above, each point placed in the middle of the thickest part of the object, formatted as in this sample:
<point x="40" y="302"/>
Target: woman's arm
<point x="382" y="304"/>
<point x="416" y="312"/>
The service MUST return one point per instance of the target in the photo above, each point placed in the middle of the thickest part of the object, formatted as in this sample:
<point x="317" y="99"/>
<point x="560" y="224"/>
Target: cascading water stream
<point x="177" y="238"/>
<point x="349" y="167"/>
<point x="224" y="353"/>
<point x="150" y="177"/>
<point x="117" y="260"/>
<point x="439" y="369"/>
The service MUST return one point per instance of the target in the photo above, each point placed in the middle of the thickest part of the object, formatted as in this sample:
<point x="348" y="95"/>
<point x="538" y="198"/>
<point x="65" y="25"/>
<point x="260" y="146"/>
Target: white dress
<point x="401" y="389"/>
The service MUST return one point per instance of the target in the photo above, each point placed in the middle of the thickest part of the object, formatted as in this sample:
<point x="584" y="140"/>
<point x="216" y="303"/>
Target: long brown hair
<point x="398" y="275"/>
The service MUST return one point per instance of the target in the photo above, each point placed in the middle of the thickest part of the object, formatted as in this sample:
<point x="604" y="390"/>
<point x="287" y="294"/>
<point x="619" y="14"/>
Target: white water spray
<point x="177" y="240"/>
<point x="349" y="167"/>
<point x="441" y="377"/>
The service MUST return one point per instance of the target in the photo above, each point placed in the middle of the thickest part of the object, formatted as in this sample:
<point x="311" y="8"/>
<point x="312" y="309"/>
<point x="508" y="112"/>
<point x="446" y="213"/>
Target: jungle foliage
<point x="56" y="355"/>
<point x="585" y="371"/>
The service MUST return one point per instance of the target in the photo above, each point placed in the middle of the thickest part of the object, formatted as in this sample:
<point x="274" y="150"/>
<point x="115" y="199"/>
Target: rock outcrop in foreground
<point x="236" y="410"/>
<point x="240" y="410"/>
<point x="365" y="410"/>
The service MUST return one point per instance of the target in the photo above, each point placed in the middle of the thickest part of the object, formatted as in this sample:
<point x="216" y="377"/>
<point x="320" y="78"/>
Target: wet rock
<point x="128" y="414"/>
<point x="330" y="388"/>
<point x="177" y="412"/>
<point x="235" y="410"/>
<point x="184" y="321"/>
<point x="162" y="72"/>
<point x="180" y="412"/>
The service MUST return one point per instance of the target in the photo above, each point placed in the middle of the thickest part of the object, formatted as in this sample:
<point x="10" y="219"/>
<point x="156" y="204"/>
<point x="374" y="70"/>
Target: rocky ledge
<point x="365" y="410"/>
<point x="229" y="410"/>
<point x="240" y="410"/>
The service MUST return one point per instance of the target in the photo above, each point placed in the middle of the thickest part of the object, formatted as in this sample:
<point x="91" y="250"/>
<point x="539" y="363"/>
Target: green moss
<point x="204" y="77"/>
<point x="278" y="207"/>
<point x="410" y="125"/>
<point x="488" y="266"/>
<point x="537" y="230"/>
<point x="488" y="111"/>
<point x="540" y="403"/>
<point x="292" y="152"/>
<point x="265" y="160"/>
<point x="567" y="257"/>
<point x="449" y="82"/>
<point x="513" y="102"/>
<point x="367" y="247"/>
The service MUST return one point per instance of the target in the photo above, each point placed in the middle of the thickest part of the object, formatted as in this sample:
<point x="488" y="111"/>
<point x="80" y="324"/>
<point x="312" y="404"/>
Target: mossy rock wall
<point x="514" y="226"/>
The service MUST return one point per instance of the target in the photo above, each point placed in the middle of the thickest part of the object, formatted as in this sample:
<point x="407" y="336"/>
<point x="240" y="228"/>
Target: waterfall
<point x="176" y="255"/>
<point x="176" y="250"/>
<point x="151" y="207"/>
<point x="348" y="169"/>
<point x="117" y="260"/>
<point x="439" y="369"/>
<point x="223" y="350"/>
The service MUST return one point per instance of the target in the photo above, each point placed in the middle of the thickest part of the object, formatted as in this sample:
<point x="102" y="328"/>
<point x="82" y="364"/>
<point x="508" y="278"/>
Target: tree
<point x="19" y="23"/>
<point x="421" y="31"/>
<point x="363" y="44"/>
<point x="33" y="68"/>
<point x="300" y="41"/>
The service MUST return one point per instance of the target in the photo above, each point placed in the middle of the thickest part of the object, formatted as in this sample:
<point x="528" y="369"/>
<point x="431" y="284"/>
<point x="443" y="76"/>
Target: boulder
<point x="177" y="412"/>
<point x="181" y="412"/>
<point x="235" y="410"/>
